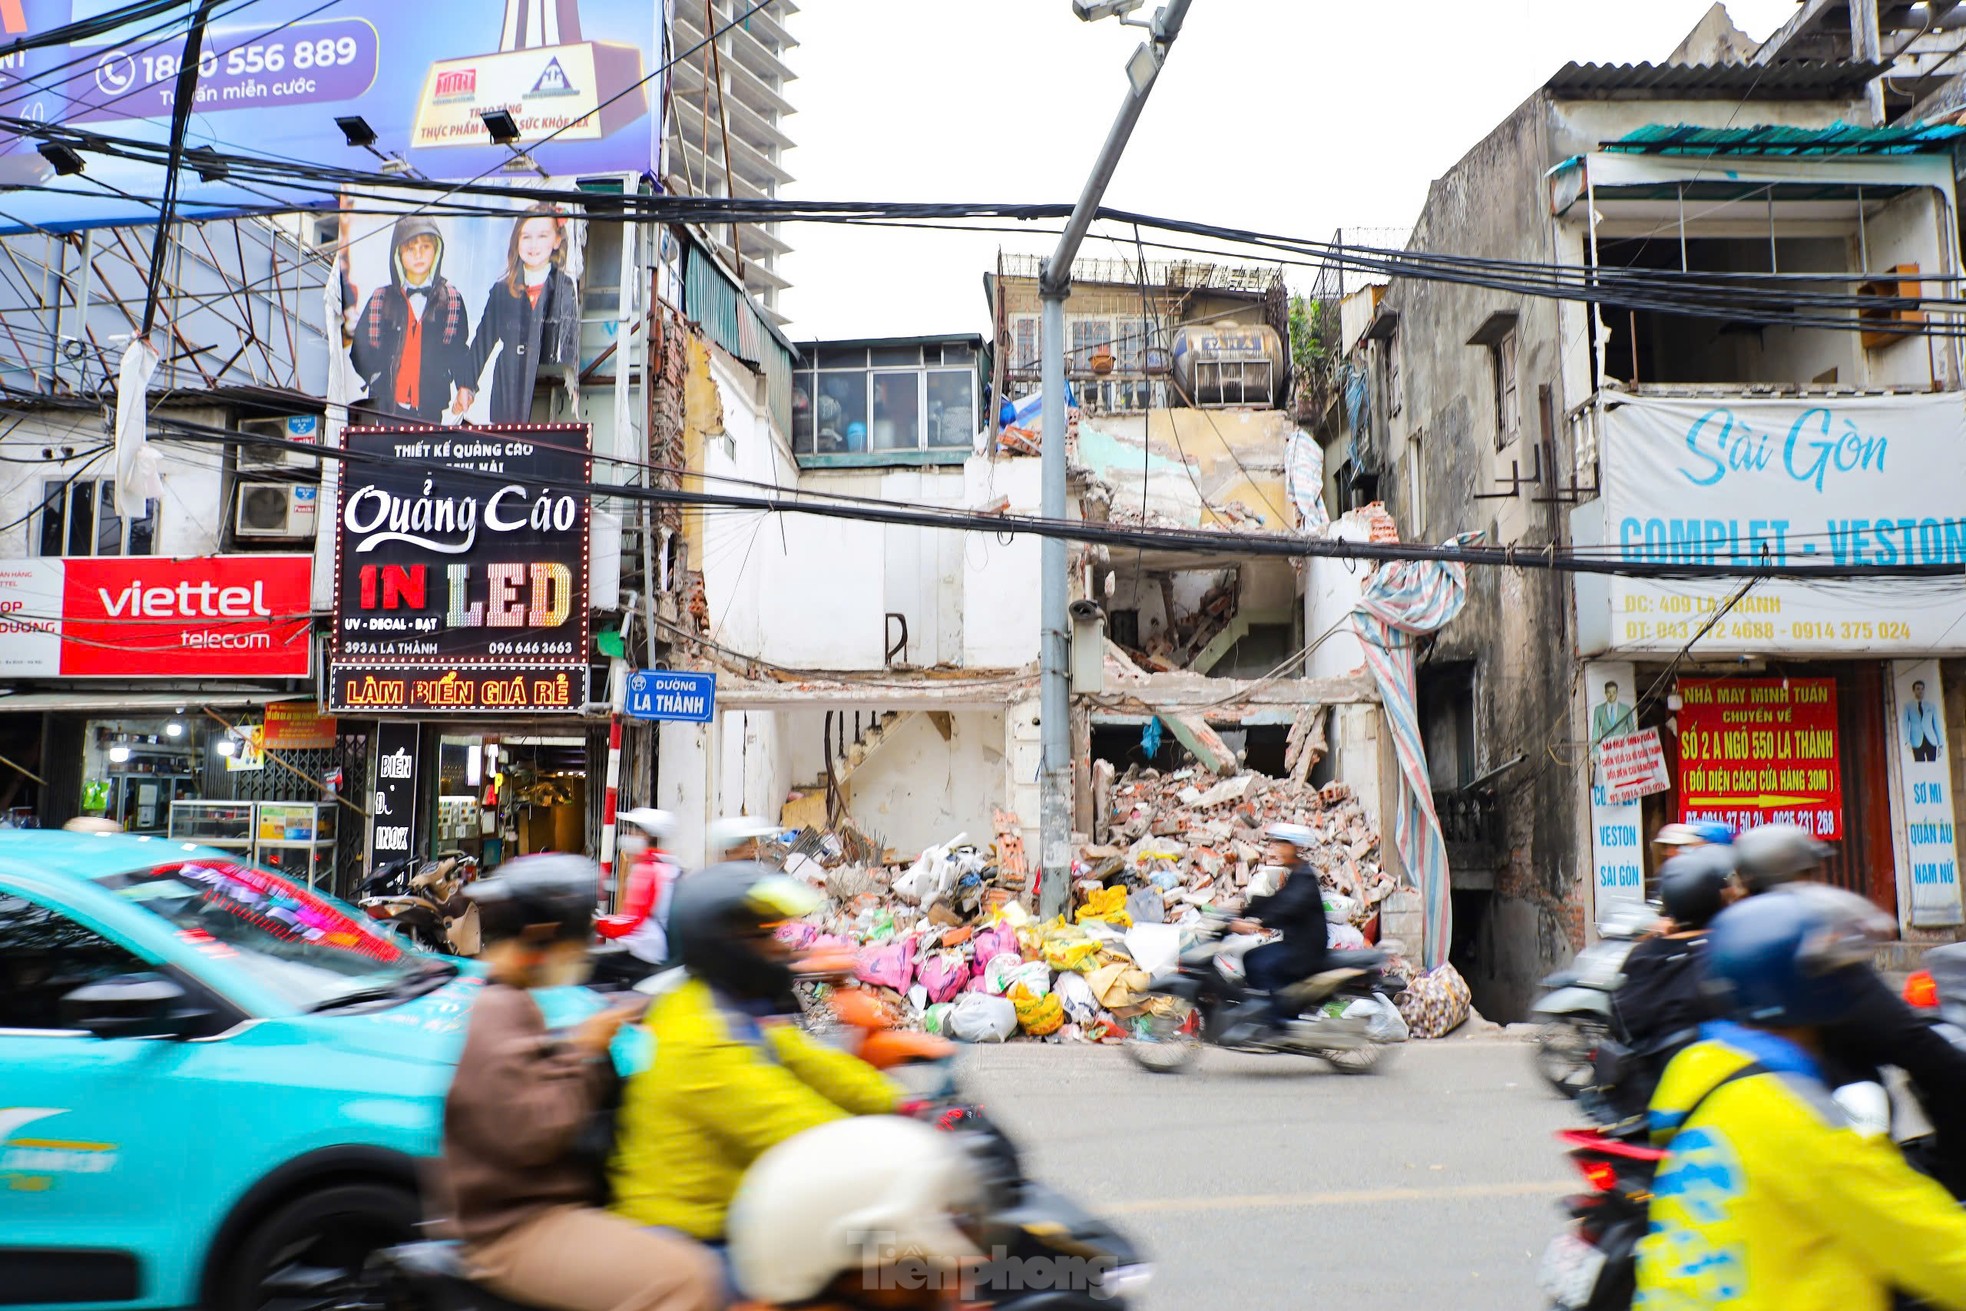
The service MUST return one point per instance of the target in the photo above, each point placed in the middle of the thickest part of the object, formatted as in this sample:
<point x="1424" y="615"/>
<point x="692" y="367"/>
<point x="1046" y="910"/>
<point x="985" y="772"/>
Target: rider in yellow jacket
<point x="730" y="1075"/>
<point x="1770" y="1198"/>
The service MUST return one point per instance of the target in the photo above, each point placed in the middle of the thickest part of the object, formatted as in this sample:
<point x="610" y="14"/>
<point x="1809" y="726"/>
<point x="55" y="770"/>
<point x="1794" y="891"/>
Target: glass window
<point x="803" y="385"/>
<point x="958" y="355"/>
<point x="897" y="411"/>
<point x="842" y="413"/>
<point x="54" y="497"/>
<point x="897" y="357"/>
<point x="951" y="407"/>
<point x="1088" y="335"/>
<point x="143" y="531"/>
<point x="301" y="946"/>
<point x="842" y="359"/>
<point x="109" y="524"/>
<point x="1024" y="352"/>
<point x="44" y="956"/>
<point x="81" y="519"/>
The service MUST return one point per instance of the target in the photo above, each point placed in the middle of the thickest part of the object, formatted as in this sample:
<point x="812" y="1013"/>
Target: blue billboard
<point x="274" y="75"/>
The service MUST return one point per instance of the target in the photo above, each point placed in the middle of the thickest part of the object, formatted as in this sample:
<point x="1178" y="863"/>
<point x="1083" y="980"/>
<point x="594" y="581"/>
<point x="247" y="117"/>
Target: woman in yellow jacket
<point x="731" y="1074"/>
<point x="1770" y="1198"/>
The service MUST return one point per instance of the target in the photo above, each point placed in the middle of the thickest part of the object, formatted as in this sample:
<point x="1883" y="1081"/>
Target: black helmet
<point x="1692" y="885"/>
<point x="1776" y="853"/>
<point x="716" y="916"/>
<point x="548" y="898"/>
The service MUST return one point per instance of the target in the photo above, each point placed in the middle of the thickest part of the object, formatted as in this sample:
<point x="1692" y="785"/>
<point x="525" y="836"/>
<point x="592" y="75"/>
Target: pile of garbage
<point x="949" y="944"/>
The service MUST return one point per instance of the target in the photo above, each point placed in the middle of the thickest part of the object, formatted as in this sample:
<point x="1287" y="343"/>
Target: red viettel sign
<point x="221" y="616"/>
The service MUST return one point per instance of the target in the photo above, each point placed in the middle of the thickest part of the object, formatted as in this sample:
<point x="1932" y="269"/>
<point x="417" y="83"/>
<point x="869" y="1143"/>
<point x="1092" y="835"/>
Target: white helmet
<point x="734" y="830"/>
<point x="855" y="1194"/>
<point x="1297" y="835"/>
<point x="658" y="824"/>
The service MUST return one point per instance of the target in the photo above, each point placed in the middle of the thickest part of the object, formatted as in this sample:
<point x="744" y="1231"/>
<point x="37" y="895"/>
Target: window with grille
<point x="79" y="517"/>
<point x="1024" y="356"/>
<point x="1088" y="335"/>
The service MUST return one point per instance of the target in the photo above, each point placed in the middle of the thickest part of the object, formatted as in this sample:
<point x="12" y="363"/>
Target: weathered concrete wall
<point x="919" y="789"/>
<point x="1514" y="627"/>
<point x="1193" y="468"/>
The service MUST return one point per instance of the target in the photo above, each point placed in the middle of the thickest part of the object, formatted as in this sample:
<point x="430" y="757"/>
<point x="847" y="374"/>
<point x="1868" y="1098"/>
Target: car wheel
<point x="311" y="1252"/>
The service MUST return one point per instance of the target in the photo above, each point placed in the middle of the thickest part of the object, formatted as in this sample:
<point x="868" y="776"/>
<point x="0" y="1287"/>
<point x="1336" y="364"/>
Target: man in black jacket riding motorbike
<point x="1295" y="910"/>
<point x="1880" y="1029"/>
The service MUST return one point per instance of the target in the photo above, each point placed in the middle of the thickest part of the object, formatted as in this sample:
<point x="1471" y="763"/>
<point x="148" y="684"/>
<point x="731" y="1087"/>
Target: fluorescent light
<point x="118" y="754"/>
<point x="174" y="729"/>
<point x="474" y="767"/>
<point x="226" y="746"/>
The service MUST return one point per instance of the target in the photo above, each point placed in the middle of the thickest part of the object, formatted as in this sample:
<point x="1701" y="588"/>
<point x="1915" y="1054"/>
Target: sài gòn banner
<point x="1924" y="784"/>
<point x="461" y="568"/>
<point x="1797" y="481"/>
<point x="1761" y="751"/>
<point x="274" y="75"/>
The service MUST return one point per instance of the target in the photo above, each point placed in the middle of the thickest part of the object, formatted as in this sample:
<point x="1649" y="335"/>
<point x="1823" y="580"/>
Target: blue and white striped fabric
<point x="1027" y="412"/>
<point x="1400" y="602"/>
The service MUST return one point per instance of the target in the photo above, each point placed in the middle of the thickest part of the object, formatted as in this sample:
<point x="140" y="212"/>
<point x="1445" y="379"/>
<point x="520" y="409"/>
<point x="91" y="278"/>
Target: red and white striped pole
<point x="608" y="808"/>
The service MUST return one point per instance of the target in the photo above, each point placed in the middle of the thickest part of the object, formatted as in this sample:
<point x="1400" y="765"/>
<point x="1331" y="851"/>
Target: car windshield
<point x="306" y="949"/>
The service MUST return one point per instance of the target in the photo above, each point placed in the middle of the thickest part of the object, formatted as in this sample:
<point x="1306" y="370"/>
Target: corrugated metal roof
<point x="1789" y="80"/>
<point x="1837" y="139"/>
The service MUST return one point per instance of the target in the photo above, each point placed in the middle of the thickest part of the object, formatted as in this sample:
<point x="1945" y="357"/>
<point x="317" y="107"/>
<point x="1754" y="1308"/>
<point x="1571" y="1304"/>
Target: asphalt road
<point x="1272" y="1182"/>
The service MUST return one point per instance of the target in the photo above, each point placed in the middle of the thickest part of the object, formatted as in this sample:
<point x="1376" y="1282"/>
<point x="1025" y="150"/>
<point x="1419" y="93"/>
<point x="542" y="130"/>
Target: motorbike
<point x="1573" y="1017"/>
<point x="1025" y="1226"/>
<point x="428" y="906"/>
<point x="1346" y="1014"/>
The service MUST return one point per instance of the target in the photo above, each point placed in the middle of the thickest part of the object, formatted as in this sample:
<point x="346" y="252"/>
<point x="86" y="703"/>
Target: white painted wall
<point x="194" y="484"/>
<point x="1331" y="592"/>
<point x="917" y="789"/>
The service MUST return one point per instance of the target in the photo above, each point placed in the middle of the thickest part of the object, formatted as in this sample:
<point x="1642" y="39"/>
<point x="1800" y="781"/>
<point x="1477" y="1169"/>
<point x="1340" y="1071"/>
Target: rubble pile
<point x="949" y="944"/>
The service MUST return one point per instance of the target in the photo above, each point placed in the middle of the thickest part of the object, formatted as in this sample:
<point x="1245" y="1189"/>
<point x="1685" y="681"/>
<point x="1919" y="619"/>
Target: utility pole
<point x="1054" y="285"/>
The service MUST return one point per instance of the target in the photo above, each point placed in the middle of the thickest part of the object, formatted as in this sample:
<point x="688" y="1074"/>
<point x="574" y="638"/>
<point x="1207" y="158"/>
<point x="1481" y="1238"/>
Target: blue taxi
<point x="209" y="1075"/>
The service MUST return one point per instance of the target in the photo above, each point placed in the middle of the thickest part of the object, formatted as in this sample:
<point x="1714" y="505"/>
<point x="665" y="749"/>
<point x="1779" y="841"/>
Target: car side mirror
<point x="132" y="1006"/>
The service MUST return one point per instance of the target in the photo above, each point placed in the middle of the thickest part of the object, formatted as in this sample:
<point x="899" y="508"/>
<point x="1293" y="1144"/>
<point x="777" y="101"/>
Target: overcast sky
<point x="1292" y="116"/>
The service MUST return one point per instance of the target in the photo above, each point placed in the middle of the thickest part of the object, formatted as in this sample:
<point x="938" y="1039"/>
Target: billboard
<point x="1789" y="481"/>
<point x="452" y="319"/>
<point x="274" y="75"/>
<point x="214" y="616"/>
<point x="462" y="593"/>
<point x="1758" y="751"/>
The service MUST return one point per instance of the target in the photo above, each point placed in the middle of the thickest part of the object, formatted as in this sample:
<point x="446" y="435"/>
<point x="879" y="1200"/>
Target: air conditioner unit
<point x="286" y="428"/>
<point x="288" y="510"/>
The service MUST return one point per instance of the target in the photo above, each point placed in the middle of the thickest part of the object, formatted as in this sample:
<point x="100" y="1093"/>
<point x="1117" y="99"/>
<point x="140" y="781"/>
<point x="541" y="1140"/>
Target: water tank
<point x="1229" y="364"/>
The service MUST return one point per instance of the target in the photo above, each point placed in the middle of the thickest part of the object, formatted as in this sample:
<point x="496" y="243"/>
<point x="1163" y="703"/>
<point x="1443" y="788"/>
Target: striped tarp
<point x="1400" y="602"/>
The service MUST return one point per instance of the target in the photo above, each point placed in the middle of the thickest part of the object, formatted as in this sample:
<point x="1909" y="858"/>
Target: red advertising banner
<point x="217" y="616"/>
<point x="297" y="726"/>
<point x="1761" y="751"/>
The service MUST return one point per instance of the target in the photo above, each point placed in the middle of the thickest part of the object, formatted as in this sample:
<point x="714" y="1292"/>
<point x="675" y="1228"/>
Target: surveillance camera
<point x="1091" y="11"/>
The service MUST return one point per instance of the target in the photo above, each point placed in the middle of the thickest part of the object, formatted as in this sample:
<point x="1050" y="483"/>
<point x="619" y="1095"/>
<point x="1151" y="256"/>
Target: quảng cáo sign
<point x="1761" y="751"/>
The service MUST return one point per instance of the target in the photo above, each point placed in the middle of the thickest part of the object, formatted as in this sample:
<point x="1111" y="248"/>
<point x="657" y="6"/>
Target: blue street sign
<point x="667" y="694"/>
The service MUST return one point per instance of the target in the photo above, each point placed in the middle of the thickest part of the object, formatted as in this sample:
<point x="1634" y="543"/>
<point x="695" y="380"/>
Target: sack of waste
<point x="1036" y="1015"/>
<point x="978" y="1017"/>
<point x="1436" y="1003"/>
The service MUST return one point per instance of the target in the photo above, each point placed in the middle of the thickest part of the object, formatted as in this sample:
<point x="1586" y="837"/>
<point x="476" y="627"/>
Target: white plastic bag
<point x="1075" y="995"/>
<point x="1382" y="1019"/>
<point x="1155" y="948"/>
<point x="978" y="1017"/>
<point x="1344" y="937"/>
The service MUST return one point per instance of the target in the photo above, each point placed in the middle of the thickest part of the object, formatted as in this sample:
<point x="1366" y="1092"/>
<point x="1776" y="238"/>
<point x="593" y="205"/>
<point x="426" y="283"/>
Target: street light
<point x="1054" y="286"/>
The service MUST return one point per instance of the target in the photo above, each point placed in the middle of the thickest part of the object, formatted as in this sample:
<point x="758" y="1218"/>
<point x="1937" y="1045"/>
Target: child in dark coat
<point x="533" y="312"/>
<point x="412" y="339"/>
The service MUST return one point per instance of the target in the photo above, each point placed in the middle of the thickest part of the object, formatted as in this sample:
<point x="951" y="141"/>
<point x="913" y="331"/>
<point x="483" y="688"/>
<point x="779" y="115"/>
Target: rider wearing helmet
<point x="863" y="1213"/>
<point x="1660" y="1005"/>
<point x="1673" y="839"/>
<point x="1769" y="1196"/>
<point x="644" y="902"/>
<point x="1880" y="1029"/>
<point x="731" y="1077"/>
<point x="511" y="1183"/>
<point x="1296" y="910"/>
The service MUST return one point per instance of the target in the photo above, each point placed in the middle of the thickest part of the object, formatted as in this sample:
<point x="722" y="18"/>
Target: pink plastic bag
<point x="992" y="942"/>
<point x="888" y="966"/>
<point x="943" y="975"/>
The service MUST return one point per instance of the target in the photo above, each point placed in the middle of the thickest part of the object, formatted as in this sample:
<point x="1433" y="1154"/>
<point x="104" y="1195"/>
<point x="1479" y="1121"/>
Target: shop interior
<point x="503" y="797"/>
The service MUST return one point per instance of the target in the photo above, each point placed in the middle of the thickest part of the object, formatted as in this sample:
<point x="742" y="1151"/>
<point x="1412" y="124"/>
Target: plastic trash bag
<point x="1107" y="904"/>
<point x="891" y="965"/>
<point x="943" y="974"/>
<point x="978" y="1017"/>
<point x="1062" y="953"/>
<point x="1036" y="1015"/>
<point x="1075" y="995"/>
<point x="992" y="943"/>
<point x="1436" y="1003"/>
<point x="935" y="1019"/>
<point x="1155" y="948"/>
<point x="1345" y="937"/>
<point x="1382" y="1019"/>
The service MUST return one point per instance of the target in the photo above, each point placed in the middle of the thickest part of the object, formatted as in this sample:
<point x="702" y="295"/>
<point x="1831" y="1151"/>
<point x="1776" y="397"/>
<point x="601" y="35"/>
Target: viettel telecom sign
<point x="220" y="616"/>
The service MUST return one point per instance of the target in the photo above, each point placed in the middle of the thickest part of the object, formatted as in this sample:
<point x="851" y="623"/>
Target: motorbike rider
<point x="731" y="1074"/>
<point x="511" y="1183"/>
<point x="1879" y="1029"/>
<point x="644" y="901"/>
<point x="1296" y="910"/>
<point x="1660" y="1005"/>
<point x="1770" y="1197"/>
<point x="858" y="1215"/>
